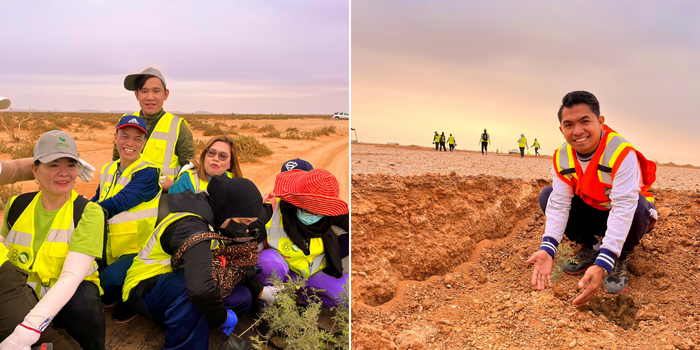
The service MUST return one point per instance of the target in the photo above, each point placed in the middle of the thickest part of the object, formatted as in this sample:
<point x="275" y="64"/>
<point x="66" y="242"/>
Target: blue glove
<point x="230" y="324"/>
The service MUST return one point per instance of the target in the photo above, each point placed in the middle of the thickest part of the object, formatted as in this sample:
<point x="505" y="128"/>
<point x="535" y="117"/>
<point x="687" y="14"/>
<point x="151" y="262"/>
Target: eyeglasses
<point x="211" y="153"/>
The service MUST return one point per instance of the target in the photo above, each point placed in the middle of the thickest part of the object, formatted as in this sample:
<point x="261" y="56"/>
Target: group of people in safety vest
<point x="65" y="258"/>
<point x="522" y="144"/>
<point x="439" y="140"/>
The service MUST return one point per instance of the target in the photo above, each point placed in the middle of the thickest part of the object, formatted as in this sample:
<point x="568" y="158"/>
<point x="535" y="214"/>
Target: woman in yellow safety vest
<point x="302" y="229"/>
<point x="47" y="260"/>
<point x="219" y="157"/>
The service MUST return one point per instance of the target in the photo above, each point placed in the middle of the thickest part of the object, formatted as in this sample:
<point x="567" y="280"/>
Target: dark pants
<point x="169" y="305"/>
<point x="82" y="317"/>
<point x="437" y="144"/>
<point x="112" y="279"/>
<point x="537" y="153"/>
<point x="522" y="152"/>
<point x="586" y="222"/>
<point x="484" y="147"/>
<point x="442" y="147"/>
<point x="452" y="147"/>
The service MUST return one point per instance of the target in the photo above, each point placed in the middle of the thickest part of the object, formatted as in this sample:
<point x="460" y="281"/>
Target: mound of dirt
<point x="439" y="263"/>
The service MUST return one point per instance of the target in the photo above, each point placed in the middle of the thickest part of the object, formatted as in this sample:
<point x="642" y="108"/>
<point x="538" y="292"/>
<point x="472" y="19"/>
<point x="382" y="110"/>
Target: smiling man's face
<point x="581" y="128"/>
<point x="151" y="96"/>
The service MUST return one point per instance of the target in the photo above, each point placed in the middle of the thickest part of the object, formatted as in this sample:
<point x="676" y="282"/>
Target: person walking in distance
<point x="536" y="145"/>
<point x="442" y="142"/>
<point x="522" y="143"/>
<point x="451" y="142"/>
<point x="485" y="139"/>
<point x="436" y="141"/>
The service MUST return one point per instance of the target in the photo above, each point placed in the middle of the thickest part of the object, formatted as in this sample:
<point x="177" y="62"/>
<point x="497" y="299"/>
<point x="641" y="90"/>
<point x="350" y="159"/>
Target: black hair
<point x="141" y="81"/>
<point x="577" y="97"/>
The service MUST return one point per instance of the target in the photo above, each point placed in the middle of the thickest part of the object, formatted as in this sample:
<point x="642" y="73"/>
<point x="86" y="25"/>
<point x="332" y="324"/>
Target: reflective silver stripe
<point x="60" y="236"/>
<point x="106" y="177"/>
<point x="196" y="183"/>
<point x="564" y="159"/>
<point x="92" y="270"/>
<point x="126" y="216"/>
<point x="338" y="231"/>
<point x="610" y="149"/>
<point x="19" y="238"/>
<point x="316" y="263"/>
<point x="275" y="232"/>
<point x="144" y="254"/>
<point x="43" y="291"/>
<point x="170" y="139"/>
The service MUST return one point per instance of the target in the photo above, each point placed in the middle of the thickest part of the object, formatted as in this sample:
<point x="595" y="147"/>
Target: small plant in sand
<point x="324" y="130"/>
<point x="267" y="128"/>
<point x="213" y="130"/>
<point x="89" y="134"/>
<point x="294" y="326"/>
<point x="561" y="258"/>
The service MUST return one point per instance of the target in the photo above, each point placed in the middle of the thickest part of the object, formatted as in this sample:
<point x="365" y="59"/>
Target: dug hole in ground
<point x="439" y="245"/>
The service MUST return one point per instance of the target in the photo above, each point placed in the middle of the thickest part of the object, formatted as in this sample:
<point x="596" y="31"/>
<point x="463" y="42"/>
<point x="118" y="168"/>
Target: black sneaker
<point x="579" y="263"/>
<point x="123" y="313"/>
<point x="616" y="282"/>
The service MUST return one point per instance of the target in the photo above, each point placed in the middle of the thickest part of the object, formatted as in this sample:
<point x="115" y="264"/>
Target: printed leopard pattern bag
<point x="230" y="262"/>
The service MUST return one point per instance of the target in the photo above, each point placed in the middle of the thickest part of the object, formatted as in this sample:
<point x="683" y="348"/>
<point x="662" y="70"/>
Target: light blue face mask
<point x="308" y="219"/>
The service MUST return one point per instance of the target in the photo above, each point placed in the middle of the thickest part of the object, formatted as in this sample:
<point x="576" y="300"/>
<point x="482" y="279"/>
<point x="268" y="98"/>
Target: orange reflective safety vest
<point x="594" y="186"/>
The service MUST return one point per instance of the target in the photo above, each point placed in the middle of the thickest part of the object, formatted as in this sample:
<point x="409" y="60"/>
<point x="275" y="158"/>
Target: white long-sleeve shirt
<point x="624" y="197"/>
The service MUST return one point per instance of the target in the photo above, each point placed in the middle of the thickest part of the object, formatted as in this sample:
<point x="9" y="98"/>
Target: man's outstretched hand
<point x="590" y="282"/>
<point x="542" y="269"/>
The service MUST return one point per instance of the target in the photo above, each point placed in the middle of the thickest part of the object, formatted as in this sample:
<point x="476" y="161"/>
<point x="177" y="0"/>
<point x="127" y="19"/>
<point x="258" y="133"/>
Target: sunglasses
<point x="212" y="153"/>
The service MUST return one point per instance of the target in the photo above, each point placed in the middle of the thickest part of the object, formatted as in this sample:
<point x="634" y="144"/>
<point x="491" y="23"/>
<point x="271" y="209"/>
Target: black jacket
<point x="197" y="259"/>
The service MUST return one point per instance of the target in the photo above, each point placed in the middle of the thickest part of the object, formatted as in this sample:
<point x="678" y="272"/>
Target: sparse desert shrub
<point x="8" y="191"/>
<point x="324" y="130"/>
<point x="267" y="128"/>
<point x="273" y="133"/>
<point x="212" y="130"/>
<point x="199" y="147"/>
<point x="250" y="149"/>
<point x="246" y="126"/>
<point x="296" y="327"/>
<point x="562" y="257"/>
<point x="91" y="123"/>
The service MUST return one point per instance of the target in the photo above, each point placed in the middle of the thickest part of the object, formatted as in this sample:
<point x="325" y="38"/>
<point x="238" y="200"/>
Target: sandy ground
<point x="438" y="252"/>
<point x="326" y="152"/>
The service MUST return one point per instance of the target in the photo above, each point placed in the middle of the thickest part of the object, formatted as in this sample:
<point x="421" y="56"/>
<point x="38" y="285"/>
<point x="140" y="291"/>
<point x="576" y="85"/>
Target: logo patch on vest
<point x="23" y="258"/>
<point x="14" y="255"/>
<point x="295" y="248"/>
<point x="286" y="246"/>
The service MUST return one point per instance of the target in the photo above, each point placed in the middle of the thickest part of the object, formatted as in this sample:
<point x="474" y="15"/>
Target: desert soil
<point x="326" y="152"/>
<point x="439" y="248"/>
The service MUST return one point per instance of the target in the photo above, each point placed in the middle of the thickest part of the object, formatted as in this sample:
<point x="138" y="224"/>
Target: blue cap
<point x="295" y="164"/>
<point x="132" y="120"/>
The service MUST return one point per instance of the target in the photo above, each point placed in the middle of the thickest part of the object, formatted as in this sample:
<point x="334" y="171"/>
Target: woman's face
<point x="213" y="163"/>
<point x="57" y="177"/>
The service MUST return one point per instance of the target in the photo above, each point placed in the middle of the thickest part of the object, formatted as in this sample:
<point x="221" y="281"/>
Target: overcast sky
<point x="218" y="56"/>
<point x="462" y="66"/>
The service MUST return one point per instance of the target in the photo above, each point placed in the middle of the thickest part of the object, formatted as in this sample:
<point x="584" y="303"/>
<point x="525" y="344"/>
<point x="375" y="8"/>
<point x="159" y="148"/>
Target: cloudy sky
<point x="462" y="66"/>
<point x="218" y="56"/>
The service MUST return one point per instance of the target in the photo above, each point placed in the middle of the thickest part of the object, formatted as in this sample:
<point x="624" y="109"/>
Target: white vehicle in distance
<point x="341" y="116"/>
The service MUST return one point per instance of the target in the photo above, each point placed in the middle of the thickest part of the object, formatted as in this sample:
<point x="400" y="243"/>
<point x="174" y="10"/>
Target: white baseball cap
<point x="4" y="102"/>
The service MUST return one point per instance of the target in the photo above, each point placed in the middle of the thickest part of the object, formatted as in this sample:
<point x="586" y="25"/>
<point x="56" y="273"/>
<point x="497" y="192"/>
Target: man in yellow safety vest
<point x="169" y="139"/>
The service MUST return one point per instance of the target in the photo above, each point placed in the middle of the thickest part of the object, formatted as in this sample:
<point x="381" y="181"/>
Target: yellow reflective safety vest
<point x="44" y="268"/>
<point x="152" y="260"/>
<point x="200" y="185"/>
<point x="522" y="142"/>
<point x="128" y="230"/>
<point x="595" y="185"/>
<point x="451" y="140"/>
<point x="436" y="138"/>
<point x="299" y="262"/>
<point x="536" y="144"/>
<point x="160" y="147"/>
<point x="3" y="254"/>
